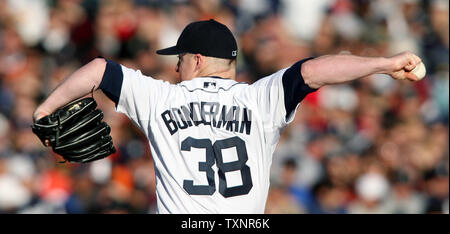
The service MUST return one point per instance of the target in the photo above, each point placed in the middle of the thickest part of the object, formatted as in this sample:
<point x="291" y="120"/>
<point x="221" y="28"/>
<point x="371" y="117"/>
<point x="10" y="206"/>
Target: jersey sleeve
<point x="133" y="93"/>
<point x="278" y="95"/>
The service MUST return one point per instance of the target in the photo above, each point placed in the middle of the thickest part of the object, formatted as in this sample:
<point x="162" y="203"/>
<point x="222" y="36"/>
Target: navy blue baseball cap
<point x="208" y="38"/>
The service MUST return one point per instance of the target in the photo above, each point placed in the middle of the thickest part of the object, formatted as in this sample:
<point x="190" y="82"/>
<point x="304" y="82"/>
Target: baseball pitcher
<point x="211" y="138"/>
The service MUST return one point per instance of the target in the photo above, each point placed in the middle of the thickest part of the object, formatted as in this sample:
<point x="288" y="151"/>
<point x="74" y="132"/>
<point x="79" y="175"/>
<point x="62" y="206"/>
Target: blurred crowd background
<point x="374" y="145"/>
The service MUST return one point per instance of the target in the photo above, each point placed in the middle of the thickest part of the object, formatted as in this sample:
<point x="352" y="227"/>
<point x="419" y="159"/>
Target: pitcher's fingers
<point x="411" y="77"/>
<point x="410" y="66"/>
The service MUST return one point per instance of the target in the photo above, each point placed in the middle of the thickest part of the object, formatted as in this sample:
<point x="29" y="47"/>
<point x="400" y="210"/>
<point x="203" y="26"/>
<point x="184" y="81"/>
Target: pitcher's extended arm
<point x="334" y="69"/>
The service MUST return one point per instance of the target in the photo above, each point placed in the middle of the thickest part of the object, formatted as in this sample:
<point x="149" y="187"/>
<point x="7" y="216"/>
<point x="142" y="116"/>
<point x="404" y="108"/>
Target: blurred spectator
<point x="329" y="198"/>
<point x="372" y="189"/>
<point x="436" y="185"/>
<point x="404" y="199"/>
<point x="280" y="201"/>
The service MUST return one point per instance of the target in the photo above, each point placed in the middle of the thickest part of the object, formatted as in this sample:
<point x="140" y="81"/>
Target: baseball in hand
<point x="419" y="71"/>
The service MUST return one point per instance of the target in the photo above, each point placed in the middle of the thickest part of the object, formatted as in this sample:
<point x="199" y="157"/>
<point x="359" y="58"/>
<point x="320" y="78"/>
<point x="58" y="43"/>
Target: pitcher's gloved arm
<point x="78" y="84"/>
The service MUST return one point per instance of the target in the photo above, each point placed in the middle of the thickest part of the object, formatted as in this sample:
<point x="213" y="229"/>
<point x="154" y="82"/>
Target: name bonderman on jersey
<point x="230" y="118"/>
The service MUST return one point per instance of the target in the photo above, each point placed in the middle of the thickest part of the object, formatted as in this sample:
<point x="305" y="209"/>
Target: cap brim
<point x="170" y="51"/>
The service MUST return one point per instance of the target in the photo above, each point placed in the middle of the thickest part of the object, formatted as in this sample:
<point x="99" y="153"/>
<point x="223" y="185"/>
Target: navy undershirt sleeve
<point x="112" y="81"/>
<point x="295" y="89"/>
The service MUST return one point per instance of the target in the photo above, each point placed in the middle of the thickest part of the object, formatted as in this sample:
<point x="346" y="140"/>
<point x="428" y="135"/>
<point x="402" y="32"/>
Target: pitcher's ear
<point x="199" y="60"/>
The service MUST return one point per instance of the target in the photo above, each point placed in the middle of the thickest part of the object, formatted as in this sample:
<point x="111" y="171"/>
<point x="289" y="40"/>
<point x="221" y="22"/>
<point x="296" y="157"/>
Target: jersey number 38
<point x="213" y="155"/>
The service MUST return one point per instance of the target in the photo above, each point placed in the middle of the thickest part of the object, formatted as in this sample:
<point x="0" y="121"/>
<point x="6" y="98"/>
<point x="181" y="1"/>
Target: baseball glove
<point x="76" y="132"/>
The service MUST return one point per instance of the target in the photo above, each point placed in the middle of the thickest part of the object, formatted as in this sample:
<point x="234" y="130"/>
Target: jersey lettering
<point x="170" y="123"/>
<point x="233" y="119"/>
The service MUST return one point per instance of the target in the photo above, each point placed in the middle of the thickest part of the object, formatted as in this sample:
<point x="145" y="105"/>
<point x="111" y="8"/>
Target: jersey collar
<point x="209" y="84"/>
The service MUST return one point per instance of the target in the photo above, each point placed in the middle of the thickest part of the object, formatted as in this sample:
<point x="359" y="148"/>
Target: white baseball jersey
<point x="211" y="138"/>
